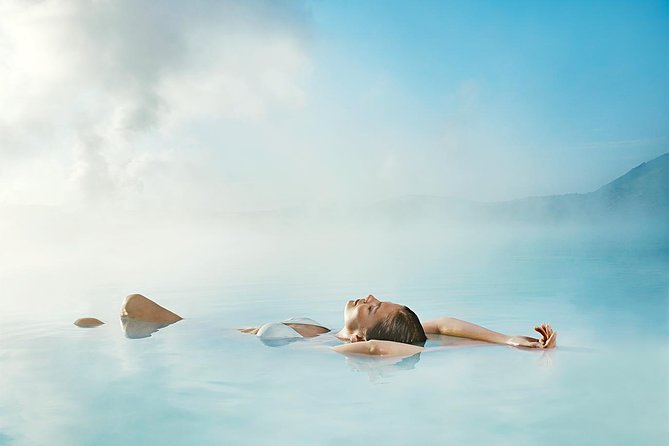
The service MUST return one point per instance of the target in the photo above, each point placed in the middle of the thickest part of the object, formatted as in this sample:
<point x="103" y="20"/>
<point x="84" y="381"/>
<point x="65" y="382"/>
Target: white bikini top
<point x="279" y="330"/>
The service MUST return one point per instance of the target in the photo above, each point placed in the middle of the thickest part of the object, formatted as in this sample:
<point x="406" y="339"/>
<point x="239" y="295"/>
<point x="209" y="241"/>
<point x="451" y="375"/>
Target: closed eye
<point x="372" y="309"/>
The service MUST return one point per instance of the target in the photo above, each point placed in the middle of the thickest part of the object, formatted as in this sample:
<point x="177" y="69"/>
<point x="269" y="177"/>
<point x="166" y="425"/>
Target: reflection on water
<point x="202" y="382"/>
<point x="378" y="368"/>
<point x="279" y="342"/>
<point x="137" y="329"/>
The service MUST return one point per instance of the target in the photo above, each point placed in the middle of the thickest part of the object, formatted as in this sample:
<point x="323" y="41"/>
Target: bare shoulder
<point x="378" y="348"/>
<point x="431" y="327"/>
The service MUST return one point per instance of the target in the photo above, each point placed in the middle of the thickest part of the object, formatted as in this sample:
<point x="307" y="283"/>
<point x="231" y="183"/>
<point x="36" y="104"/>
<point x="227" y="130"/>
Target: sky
<point x="254" y="105"/>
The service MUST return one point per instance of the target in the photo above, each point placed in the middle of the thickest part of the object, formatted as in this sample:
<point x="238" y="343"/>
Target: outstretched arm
<point x="455" y="327"/>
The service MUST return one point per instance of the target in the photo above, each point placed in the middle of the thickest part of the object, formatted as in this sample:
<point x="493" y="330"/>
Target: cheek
<point x="353" y="318"/>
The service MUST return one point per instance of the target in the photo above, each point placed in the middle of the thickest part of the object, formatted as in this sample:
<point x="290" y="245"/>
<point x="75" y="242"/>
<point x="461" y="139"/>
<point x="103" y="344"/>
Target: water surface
<point x="201" y="382"/>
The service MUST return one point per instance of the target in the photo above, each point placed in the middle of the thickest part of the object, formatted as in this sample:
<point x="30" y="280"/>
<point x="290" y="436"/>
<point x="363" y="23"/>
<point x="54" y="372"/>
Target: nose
<point x="371" y="300"/>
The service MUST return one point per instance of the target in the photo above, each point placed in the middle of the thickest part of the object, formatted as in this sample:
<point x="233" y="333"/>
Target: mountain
<point x="641" y="193"/>
<point x="646" y="186"/>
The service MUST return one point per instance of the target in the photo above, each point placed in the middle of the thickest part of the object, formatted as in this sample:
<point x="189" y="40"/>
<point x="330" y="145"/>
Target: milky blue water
<point x="202" y="382"/>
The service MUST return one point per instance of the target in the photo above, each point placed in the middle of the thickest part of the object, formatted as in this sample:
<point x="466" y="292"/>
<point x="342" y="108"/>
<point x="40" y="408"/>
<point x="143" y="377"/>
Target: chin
<point x="347" y="316"/>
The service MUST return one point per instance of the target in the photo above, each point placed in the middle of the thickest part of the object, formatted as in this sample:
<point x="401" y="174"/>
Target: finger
<point x="552" y="341"/>
<point x="540" y="329"/>
<point x="548" y="330"/>
<point x="545" y="331"/>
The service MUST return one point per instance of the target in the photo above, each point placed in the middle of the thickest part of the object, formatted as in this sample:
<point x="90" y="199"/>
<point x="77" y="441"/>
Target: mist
<point x="246" y="162"/>
<point x="148" y="148"/>
<point x="60" y="263"/>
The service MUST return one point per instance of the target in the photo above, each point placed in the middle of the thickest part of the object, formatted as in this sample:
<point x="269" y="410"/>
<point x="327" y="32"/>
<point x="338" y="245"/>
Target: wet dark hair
<point x="401" y="326"/>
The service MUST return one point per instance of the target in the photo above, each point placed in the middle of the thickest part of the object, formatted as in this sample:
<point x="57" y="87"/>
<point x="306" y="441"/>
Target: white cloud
<point x="237" y="79"/>
<point x="99" y="88"/>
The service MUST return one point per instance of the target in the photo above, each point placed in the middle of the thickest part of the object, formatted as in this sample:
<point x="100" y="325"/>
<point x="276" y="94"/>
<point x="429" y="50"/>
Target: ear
<point x="355" y="337"/>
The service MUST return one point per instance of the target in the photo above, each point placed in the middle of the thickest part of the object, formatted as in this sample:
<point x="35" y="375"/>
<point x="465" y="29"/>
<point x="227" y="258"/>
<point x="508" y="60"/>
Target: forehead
<point x="388" y="307"/>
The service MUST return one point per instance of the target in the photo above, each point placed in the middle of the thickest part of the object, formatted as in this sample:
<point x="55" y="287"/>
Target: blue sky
<point x="588" y="65"/>
<point x="561" y="83"/>
<point x="264" y="104"/>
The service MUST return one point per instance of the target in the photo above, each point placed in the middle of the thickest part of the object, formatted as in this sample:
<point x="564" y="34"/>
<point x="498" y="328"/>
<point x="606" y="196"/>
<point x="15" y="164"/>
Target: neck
<point x="343" y="334"/>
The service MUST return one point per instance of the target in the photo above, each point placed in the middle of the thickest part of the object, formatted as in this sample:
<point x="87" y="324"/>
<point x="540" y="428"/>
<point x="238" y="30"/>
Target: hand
<point x="548" y="338"/>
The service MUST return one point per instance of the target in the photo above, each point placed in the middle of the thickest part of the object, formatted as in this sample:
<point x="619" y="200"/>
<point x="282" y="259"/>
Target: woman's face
<point x="362" y="314"/>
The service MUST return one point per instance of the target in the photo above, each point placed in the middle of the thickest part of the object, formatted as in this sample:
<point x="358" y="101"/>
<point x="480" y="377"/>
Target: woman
<point x="373" y="327"/>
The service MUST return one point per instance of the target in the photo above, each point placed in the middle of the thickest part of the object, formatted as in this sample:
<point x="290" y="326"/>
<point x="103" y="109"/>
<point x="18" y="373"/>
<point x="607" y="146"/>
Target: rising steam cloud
<point x="97" y="94"/>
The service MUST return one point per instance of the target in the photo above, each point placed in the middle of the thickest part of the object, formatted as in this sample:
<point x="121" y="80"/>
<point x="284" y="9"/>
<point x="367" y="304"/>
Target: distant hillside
<point x="645" y="186"/>
<point x="641" y="193"/>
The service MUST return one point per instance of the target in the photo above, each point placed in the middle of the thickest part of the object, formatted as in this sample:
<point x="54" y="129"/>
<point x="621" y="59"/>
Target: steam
<point x="104" y="89"/>
<point x="136" y="136"/>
